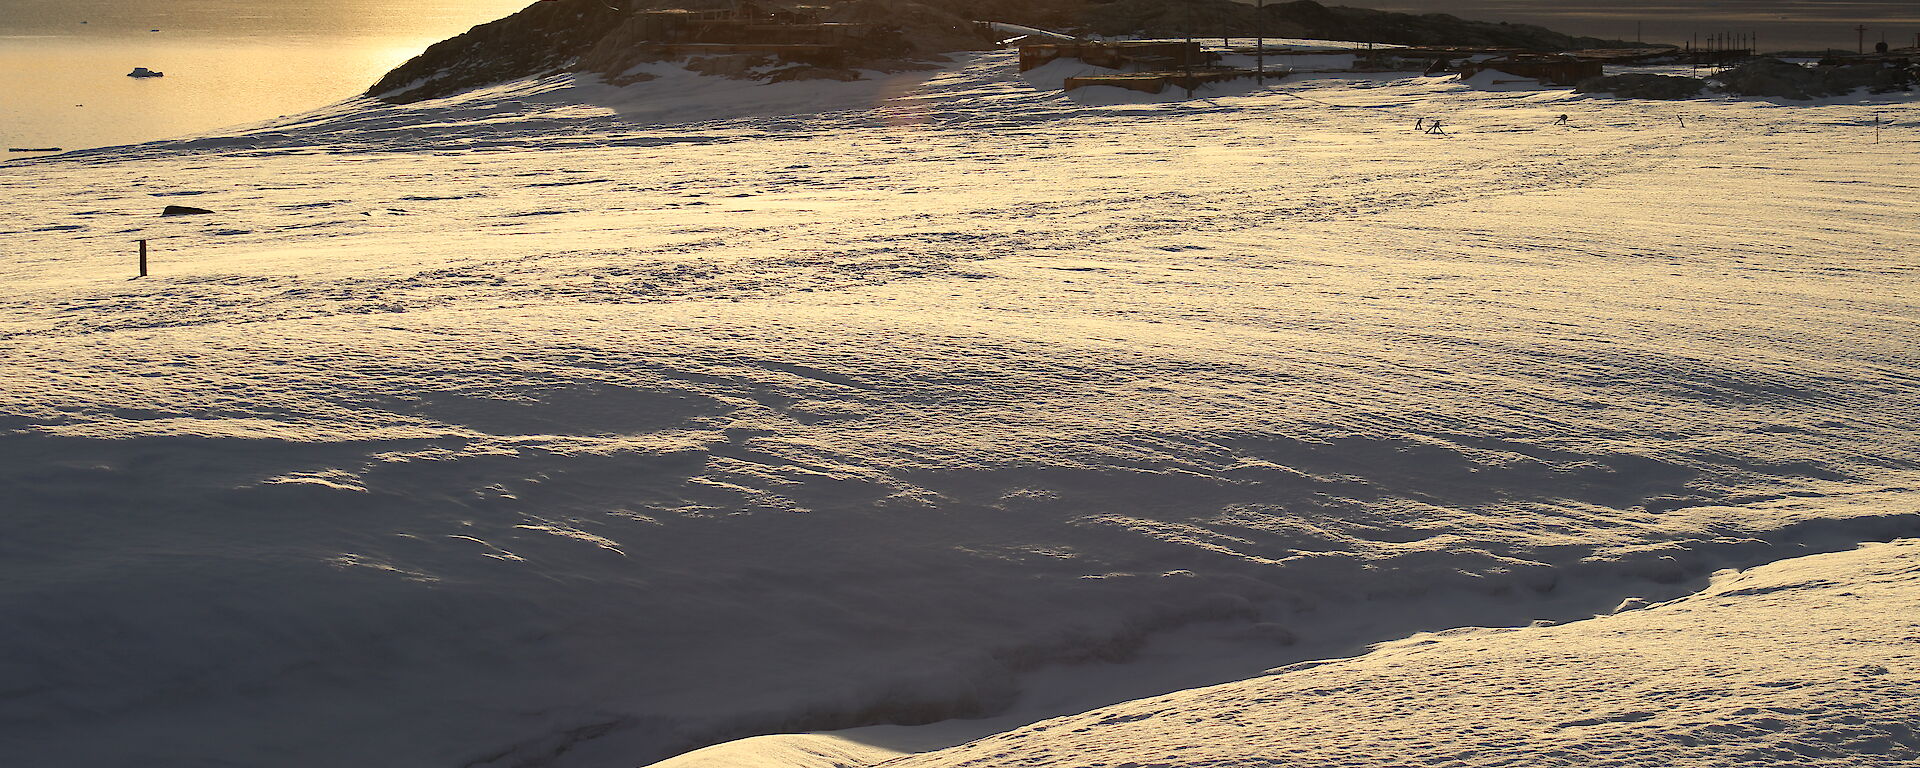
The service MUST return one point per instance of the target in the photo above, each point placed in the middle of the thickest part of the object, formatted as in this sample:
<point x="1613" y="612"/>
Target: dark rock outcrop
<point x="1773" y="78"/>
<point x="611" y="37"/>
<point x="1643" y="86"/>
<point x="546" y="37"/>
<point x="182" y="210"/>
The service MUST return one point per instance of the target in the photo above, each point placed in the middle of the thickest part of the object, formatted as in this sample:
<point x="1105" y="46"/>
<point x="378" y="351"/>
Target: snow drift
<point x="1810" y="662"/>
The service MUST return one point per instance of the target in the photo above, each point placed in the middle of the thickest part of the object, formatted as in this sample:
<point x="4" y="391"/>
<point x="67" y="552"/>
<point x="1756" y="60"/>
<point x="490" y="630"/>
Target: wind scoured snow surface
<point x="1809" y="662"/>
<point x="528" y="428"/>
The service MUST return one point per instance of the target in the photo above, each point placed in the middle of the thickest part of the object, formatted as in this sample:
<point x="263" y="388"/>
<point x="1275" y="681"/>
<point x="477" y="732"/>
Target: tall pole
<point x="1186" y="56"/>
<point x="1260" y="41"/>
<point x="1862" y="29"/>
<point x="143" y="258"/>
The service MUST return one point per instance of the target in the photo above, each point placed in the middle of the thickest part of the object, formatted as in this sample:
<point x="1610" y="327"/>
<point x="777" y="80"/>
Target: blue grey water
<point x="63" y="63"/>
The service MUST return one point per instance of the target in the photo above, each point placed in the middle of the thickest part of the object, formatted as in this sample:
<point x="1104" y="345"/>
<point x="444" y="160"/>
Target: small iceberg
<point x="144" y="72"/>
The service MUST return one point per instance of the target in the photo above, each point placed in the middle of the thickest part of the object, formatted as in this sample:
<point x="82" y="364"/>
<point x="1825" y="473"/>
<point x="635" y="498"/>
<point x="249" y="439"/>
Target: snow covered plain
<point x="565" y="425"/>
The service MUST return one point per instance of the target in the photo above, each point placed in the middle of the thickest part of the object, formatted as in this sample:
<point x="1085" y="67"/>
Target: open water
<point x="63" y="63"/>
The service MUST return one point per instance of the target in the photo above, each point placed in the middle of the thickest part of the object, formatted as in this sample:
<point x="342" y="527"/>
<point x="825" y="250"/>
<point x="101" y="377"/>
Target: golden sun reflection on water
<point x="74" y="93"/>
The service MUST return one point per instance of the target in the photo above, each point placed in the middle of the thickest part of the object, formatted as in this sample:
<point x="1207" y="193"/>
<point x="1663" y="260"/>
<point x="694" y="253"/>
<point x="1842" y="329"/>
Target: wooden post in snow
<point x="143" y="258"/>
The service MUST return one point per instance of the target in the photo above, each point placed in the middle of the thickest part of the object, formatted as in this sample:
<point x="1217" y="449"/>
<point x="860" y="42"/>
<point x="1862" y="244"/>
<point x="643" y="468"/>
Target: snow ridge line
<point x="1638" y="580"/>
<point x="1768" y="666"/>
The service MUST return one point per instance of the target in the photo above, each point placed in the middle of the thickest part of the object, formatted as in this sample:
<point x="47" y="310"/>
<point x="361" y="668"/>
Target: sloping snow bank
<point x="1807" y="662"/>
<point x="666" y="434"/>
<point x="787" y="750"/>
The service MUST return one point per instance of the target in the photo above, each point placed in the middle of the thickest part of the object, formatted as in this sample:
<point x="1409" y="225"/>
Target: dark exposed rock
<point x="1773" y="78"/>
<point x="545" y="37"/>
<point x="740" y="66"/>
<point x="611" y="37"/>
<point x="812" y="73"/>
<point x="926" y="28"/>
<point x="182" y="210"/>
<point x="1892" y="79"/>
<point x="1643" y="86"/>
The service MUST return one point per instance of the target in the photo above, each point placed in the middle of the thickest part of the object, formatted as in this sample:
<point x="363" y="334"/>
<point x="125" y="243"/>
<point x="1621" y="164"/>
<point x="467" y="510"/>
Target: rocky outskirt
<point x="1644" y="86"/>
<point x="1773" y="78"/>
<point x="544" y="38"/>
<point x="610" y="38"/>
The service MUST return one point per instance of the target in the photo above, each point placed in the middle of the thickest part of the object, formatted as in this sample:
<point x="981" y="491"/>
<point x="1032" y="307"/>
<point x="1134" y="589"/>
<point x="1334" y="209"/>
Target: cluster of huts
<point x="802" y="33"/>
<point x="1153" y="65"/>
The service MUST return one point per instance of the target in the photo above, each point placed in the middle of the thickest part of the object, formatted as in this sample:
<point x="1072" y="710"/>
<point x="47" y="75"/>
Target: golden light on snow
<point x="556" y="421"/>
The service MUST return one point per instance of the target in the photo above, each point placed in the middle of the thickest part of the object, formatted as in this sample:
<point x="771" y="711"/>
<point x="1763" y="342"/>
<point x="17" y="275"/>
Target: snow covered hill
<point x="565" y="425"/>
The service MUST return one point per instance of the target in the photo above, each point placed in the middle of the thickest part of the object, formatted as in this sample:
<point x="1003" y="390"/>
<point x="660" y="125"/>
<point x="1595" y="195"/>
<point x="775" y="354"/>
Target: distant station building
<point x="1151" y="65"/>
<point x="1888" y="57"/>
<point x="1148" y="66"/>
<point x="1547" y="68"/>
<point x="1136" y="55"/>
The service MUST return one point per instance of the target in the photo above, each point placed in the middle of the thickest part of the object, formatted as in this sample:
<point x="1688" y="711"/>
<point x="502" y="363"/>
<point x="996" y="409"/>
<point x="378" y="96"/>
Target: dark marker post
<point x="143" y="258"/>
<point x="1260" y="41"/>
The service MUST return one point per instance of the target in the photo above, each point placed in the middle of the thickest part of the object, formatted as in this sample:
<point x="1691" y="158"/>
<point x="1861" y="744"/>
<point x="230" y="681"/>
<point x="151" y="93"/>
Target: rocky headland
<point x="839" y="39"/>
